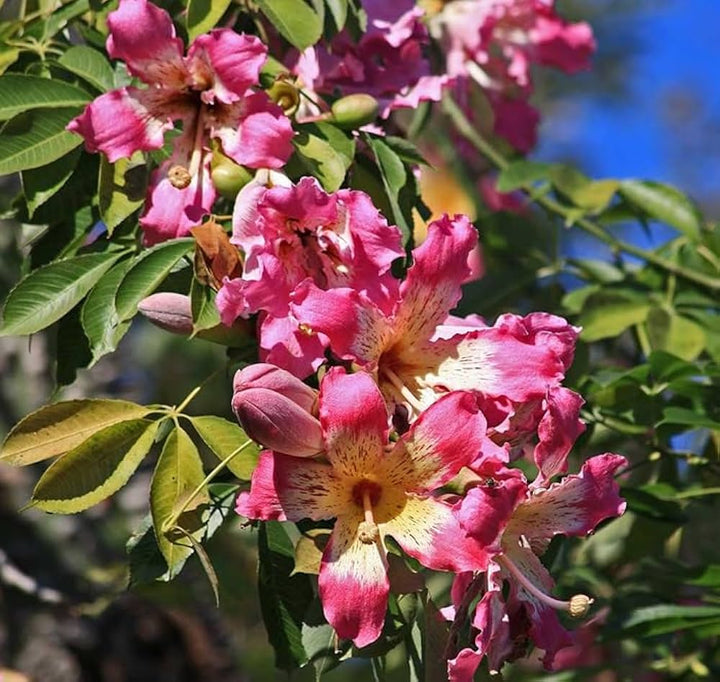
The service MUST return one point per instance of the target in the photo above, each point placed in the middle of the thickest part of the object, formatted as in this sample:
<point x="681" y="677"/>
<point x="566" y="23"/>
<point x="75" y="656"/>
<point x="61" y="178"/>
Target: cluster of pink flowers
<point x="492" y="44"/>
<point x="420" y="415"/>
<point x="430" y="399"/>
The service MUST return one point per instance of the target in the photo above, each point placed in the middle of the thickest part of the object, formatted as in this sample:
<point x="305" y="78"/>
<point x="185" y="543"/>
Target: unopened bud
<point x="354" y="111"/>
<point x="168" y="311"/>
<point x="273" y="378"/>
<point x="579" y="605"/>
<point x="275" y="420"/>
<point x="173" y="313"/>
<point x="179" y="177"/>
<point x="285" y="95"/>
<point x="227" y="176"/>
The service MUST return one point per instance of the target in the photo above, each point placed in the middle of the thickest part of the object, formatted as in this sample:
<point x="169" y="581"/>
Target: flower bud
<point x="273" y="378"/>
<point x="173" y="313"/>
<point x="168" y="311"/>
<point x="277" y="422"/>
<point x="227" y="176"/>
<point x="354" y="111"/>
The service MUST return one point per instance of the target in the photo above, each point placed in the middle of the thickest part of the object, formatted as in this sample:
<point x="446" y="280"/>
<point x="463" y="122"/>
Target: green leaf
<point x="663" y="618"/>
<point x="40" y="184"/>
<point x="522" y="174"/>
<point x="590" y="195"/>
<point x="204" y="311"/>
<point x="60" y="427"/>
<point x="688" y="418"/>
<point x="601" y="321"/>
<point x="677" y="335"/>
<point x="203" y="15"/>
<point x="223" y="438"/>
<point x="99" y="316"/>
<point x="397" y="184"/>
<point x="96" y="468"/>
<point x="72" y="350"/>
<point x="283" y="599"/>
<point x="326" y="152"/>
<point x="339" y="11"/>
<point x="406" y="150"/>
<point x="91" y="65"/>
<point x="146" y="561"/>
<point x="178" y="474"/>
<point x="121" y="189"/>
<point x="147" y="273"/>
<point x="49" y="292"/>
<point x="20" y="93"/>
<point x="36" y="138"/>
<point x="295" y="21"/>
<point x="664" y="203"/>
<point x="645" y="503"/>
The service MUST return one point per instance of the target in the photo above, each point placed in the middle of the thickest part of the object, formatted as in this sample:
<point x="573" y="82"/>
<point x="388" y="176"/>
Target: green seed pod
<point x="354" y="111"/>
<point x="285" y="95"/>
<point x="227" y="176"/>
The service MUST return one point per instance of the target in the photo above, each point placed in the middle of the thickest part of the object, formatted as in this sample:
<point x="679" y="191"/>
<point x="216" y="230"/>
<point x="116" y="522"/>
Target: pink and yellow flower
<point x="414" y="355"/>
<point x="573" y="506"/>
<point x="208" y="90"/>
<point x="373" y="489"/>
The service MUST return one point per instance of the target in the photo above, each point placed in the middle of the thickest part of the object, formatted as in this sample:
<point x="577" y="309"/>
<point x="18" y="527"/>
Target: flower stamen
<point x="368" y="531"/>
<point x="577" y="606"/>
<point x="405" y="392"/>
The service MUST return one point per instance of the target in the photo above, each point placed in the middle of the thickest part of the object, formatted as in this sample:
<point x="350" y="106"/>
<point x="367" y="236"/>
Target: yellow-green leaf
<point x="96" y="468"/>
<point x="173" y="501"/>
<point x="55" y="429"/>
<point x="224" y="438"/>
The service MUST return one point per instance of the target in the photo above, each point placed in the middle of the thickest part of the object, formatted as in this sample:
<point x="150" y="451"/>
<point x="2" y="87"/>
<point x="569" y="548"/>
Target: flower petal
<point x="235" y="60"/>
<point x="575" y="505"/>
<point x="124" y="121"/>
<point x="446" y="436"/>
<point x="284" y="344"/>
<point x="495" y="362"/>
<point x="558" y="430"/>
<point x="432" y="286"/>
<point x="356" y="328"/>
<point x="354" y="420"/>
<point x="353" y="583"/>
<point x="289" y="488"/>
<point x="254" y="132"/>
<point x="428" y="531"/>
<point x="143" y="36"/>
<point x="171" y="212"/>
<point x="486" y="510"/>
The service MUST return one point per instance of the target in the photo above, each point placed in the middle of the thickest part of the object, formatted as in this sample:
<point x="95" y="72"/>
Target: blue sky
<point x="668" y="128"/>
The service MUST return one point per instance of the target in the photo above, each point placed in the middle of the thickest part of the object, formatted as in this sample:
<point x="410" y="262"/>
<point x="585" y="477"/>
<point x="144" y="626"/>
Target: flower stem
<point x="466" y="129"/>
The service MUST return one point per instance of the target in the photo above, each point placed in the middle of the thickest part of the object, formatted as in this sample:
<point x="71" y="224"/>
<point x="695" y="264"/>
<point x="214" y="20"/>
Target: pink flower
<point x="414" y="356"/>
<point x="373" y="489"/>
<point x="493" y="44"/>
<point x="573" y="506"/>
<point x="388" y="61"/>
<point x="208" y="90"/>
<point x="294" y="233"/>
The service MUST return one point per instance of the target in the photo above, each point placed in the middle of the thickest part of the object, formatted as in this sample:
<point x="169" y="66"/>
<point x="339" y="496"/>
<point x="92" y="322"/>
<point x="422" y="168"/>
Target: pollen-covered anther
<point x="368" y="532"/>
<point x="305" y="329"/>
<point x="579" y="605"/>
<point x="179" y="177"/>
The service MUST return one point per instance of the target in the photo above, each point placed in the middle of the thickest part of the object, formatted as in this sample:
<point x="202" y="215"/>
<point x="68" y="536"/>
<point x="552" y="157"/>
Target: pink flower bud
<point x="271" y="377"/>
<point x="168" y="311"/>
<point x="274" y="408"/>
